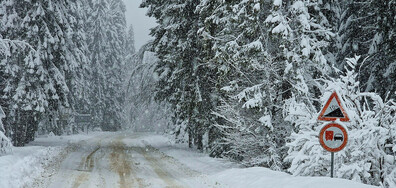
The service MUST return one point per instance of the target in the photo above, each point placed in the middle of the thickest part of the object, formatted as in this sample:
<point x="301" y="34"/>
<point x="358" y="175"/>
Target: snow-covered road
<point x="126" y="159"/>
<point x="123" y="160"/>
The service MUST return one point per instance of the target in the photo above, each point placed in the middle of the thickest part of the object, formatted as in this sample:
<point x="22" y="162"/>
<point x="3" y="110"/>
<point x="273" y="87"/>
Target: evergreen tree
<point x="184" y="81"/>
<point x="255" y="79"/>
<point x="78" y="78"/>
<point x="96" y="36"/>
<point x="24" y="93"/>
<point x="130" y="42"/>
<point x="234" y="33"/>
<point x="38" y="86"/>
<point x="116" y="73"/>
<point x="106" y="41"/>
<point x="367" y="27"/>
<point x="214" y="32"/>
<point x="5" y="143"/>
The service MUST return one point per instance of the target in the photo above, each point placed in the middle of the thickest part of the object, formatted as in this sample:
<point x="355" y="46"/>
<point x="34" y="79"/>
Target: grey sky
<point x="141" y="23"/>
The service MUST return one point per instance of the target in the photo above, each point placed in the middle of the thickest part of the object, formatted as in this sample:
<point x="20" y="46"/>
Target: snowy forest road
<point x="123" y="160"/>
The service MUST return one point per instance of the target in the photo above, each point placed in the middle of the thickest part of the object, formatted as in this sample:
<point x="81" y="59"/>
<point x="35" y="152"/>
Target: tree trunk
<point x="190" y="138"/>
<point x="198" y="142"/>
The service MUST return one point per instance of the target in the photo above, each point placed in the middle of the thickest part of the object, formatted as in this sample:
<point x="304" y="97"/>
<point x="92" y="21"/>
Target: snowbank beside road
<point x="24" y="165"/>
<point x="264" y="177"/>
<point x="231" y="175"/>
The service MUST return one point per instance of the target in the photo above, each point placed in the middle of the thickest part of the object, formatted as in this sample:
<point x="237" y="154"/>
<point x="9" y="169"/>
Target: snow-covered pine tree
<point x="141" y="85"/>
<point x="184" y="81"/>
<point x="77" y="78"/>
<point x="330" y="14"/>
<point x="5" y="143"/>
<point x="256" y="78"/>
<point x="41" y="87"/>
<point x="214" y="31"/>
<point x="234" y="33"/>
<point x="381" y="64"/>
<point x="49" y="21"/>
<point x="130" y="41"/>
<point x="7" y="48"/>
<point x="106" y="43"/>
<point x="96" y="24"/>
<point x="303" y="37"/>
<point x="368" y="157"/>
<point x="131" y="60"/>
<point x="114" y="92"/>
<point x="367" y="27"/>
<point x="23" y="94"/>
<point x="303" y="34"/>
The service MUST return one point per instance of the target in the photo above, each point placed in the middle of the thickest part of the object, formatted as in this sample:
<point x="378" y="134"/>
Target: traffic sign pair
<point x="333" y="137"/>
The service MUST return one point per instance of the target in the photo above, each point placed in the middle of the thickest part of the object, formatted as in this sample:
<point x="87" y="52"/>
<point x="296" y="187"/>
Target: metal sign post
<point x="332" y="165"/>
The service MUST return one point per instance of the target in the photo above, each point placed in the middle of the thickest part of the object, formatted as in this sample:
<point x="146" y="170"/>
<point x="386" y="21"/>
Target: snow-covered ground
<point x="24" y="166"/>
<point x="136" y="160"/>
<point x="228" y="174"/>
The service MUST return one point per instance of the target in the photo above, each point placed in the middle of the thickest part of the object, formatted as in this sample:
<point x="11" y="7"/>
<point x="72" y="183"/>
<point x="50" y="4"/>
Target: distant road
<point x="106" y="161"/>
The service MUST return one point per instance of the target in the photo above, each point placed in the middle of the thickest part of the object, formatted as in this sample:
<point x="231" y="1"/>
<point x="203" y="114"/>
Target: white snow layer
<point x="277" y="2"/>
<point x="24" y="165"/>
<point x="264" y="177"/>
<point x="229" y="174"/>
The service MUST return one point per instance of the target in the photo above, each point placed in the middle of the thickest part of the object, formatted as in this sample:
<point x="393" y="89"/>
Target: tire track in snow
<point x="121" y="163"/>
<point x="108" y="162"/>
<point x="89" y="161"/>
<point x="158" y="168"/>
<point x="86" y="166"/>
<point x="80" y="179"/>
<point x="173" y="169"/>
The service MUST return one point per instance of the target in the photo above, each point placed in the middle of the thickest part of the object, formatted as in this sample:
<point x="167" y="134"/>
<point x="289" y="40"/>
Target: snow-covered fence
<point x="5" y="143"/>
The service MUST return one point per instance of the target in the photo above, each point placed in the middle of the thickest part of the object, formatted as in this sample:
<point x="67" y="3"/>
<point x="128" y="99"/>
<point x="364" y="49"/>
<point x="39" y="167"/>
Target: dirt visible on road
<point x="158" y="167"/>
<point x="89" y="161"/>
<point x="80" y="179"/>
<point x="124" y="161"/>
<point x="121" y="164"/>
<point x="86" y="166"/>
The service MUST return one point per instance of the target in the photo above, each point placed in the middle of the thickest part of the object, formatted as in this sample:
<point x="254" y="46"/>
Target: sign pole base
<point x="332" y="165"/>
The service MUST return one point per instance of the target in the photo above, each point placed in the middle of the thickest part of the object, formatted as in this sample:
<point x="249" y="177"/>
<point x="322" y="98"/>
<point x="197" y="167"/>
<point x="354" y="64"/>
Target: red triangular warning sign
<point x="333" y="110"/>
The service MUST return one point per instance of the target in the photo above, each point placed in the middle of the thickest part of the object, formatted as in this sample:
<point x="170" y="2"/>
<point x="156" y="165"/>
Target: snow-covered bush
<point x="250" y="139"/>
<point x="5" y="143"/>
<point x="369" y="155"/>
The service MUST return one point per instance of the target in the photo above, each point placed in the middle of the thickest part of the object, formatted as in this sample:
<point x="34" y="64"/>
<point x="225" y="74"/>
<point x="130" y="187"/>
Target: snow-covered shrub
<point x="5" y="143"/>
<point x="252" y="143"/>
<point x="368" y="156"/>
